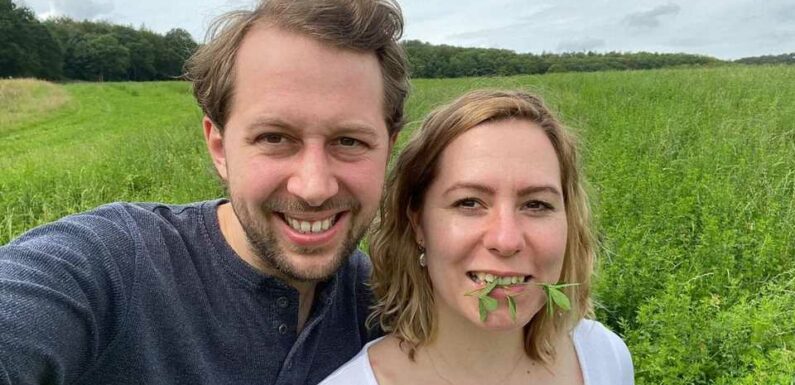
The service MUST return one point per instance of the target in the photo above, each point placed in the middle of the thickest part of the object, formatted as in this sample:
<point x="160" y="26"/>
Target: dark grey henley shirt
<point x="153" y="294"/>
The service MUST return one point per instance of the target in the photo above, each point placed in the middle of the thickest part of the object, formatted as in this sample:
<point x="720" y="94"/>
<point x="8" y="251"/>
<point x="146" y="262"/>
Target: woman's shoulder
<point x="604" y="357"/>
<point x="357" y="371"/>
<point x="591" y="331"/>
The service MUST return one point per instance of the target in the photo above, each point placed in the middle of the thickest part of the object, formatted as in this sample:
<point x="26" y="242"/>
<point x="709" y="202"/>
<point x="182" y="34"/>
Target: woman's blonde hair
<point x="405" y="305"/>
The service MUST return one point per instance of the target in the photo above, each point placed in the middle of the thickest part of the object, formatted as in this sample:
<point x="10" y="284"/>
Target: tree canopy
<point x="27" y="48"/>
<point x="63" y="49"/>
<point x="443" y="61"/>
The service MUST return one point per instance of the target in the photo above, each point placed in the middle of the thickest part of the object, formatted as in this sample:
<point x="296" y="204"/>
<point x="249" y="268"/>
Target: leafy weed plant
<point x="488" y="304"/>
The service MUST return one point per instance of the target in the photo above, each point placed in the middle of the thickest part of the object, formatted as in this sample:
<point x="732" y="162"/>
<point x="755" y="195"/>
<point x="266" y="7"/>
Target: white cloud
<point x="725" y="29"/>
<point x="580" y="45"/>
<point x="651" y="18"/>
<point x="80" y="9"/>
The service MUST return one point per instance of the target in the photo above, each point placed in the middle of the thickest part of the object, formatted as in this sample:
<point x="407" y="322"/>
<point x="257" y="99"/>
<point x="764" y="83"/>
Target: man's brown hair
<point x="359" y="25"/>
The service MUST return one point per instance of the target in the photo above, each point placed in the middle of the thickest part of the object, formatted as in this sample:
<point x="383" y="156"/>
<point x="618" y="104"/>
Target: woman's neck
<point x="463" y="352"/>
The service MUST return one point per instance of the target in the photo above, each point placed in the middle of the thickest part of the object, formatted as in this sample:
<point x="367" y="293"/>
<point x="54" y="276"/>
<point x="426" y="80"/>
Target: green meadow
<point x="692" y="174"/>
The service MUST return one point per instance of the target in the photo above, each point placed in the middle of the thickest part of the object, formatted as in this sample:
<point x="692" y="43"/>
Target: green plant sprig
<point x="556" y="296"/>
<point x="487" y="304"/>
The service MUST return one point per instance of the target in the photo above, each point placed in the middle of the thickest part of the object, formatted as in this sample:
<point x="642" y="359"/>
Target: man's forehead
<point x="284" y="75"/>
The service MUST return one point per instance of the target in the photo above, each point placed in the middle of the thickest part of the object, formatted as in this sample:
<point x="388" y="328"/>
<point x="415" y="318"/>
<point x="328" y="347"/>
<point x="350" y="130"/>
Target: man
<point x="303" y="101"/>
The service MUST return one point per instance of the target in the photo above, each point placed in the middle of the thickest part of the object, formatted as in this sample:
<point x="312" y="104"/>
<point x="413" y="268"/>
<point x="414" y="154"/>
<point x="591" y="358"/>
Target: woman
<point x="484" y="209"/>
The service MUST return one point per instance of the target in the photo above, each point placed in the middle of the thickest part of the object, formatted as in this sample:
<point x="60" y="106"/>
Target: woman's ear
<point x="416" y="225"/>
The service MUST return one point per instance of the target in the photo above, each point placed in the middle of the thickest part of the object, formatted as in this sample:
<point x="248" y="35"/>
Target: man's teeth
<point x="310" y="227"/>
<point x="504" y="280"/>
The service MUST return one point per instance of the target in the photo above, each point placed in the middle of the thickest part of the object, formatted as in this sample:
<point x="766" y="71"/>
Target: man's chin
<point x="311" y="268"/>
<point x="297" y="259"/>
<point x="305" y="264"/>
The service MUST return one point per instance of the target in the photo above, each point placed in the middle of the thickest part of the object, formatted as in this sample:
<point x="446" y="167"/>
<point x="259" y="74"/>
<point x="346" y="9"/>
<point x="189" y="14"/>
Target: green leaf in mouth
<point x="556" y="297"/>
<point x="483" y="312"/>
<point x="511" y="307"/>
<point x="488" y="304"/>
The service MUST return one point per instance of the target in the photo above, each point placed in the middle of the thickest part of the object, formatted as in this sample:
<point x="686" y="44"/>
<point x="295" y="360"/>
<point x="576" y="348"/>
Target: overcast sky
<point x="728" y="29"/>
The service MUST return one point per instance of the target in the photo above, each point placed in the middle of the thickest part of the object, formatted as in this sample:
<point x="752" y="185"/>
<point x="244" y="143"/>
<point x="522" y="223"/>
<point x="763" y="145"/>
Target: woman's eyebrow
<point x="537" y="189"/>
<point x="469" y="186"/>
<point x="489" y="190"/>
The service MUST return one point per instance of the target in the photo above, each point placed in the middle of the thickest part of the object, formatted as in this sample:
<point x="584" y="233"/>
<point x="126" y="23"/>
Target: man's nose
<point x="504" y="235"/>
<point x="313" y="179"/>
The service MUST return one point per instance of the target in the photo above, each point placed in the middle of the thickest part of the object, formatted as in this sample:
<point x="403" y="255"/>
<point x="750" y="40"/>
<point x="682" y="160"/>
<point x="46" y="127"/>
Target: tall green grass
<point x="124" y="141"/>
<point x="23" y="100"/>
<point x="692" y="174"/>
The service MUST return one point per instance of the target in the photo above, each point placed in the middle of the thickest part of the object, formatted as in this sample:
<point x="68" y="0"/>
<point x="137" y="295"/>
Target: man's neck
<point x="236" y="238"/>
<point x="306" y="297"/>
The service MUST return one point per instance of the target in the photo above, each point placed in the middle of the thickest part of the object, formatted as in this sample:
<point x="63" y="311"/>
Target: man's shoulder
<point x="123" y="212"/>
<point x="118" y="229"/>
<point x="143" y="216"/>
<point x="150" y="209"/>
<point x="360" y="260"/>
<point x="357" y="268"/>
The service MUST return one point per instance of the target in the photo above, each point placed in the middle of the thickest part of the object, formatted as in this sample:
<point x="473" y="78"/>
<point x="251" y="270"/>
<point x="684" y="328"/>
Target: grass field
<point x="692" y="172"/>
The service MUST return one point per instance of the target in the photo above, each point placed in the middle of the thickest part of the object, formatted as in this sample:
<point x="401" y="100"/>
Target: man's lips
<point x="314" y="224"/>
<point x="318" y="230"/>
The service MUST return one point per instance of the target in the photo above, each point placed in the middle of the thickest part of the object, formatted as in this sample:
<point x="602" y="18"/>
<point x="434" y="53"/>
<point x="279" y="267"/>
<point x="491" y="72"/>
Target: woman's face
<point x="495" y="208"/>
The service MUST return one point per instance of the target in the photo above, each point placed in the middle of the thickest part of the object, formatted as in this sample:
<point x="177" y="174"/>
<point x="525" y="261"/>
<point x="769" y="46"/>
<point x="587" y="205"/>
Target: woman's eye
<point x="467" y="203"/>
<point x="538" y="206"/>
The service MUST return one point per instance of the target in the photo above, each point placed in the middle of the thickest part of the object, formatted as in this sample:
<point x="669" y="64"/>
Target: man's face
<point x="304" y="152"/>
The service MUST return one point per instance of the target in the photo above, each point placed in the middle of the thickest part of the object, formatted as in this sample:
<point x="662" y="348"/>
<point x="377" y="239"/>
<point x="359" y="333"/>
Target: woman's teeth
<point x="310" y="227"/>
<point x="479" y="277"/>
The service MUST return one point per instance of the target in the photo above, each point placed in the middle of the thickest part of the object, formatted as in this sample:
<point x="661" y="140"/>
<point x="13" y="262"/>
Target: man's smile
<point x="308" y="225"/>
<point x="315" y="231"/>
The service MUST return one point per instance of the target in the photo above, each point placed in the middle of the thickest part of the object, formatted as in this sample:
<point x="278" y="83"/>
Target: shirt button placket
<point x="283" y="303"/>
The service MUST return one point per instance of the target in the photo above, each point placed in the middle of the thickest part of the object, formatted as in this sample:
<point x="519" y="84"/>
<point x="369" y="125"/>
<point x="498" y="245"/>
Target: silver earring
<point x="422" y="257"/>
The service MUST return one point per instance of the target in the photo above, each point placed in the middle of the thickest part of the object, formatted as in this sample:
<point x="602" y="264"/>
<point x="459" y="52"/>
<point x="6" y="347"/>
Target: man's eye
<point x="273" y="138"/>
<point x="348" y="142"/>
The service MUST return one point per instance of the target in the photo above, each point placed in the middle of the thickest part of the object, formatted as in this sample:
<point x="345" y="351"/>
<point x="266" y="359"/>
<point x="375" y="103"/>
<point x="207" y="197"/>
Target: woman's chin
<point x="500" y="321"/>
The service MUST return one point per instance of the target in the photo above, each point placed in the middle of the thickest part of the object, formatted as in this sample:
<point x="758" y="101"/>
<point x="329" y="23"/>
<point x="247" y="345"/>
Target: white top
<point x="604" y="359"/>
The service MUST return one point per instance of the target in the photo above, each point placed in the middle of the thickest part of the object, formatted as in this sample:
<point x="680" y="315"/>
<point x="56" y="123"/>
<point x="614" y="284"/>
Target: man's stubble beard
<point x="265" y="246"/>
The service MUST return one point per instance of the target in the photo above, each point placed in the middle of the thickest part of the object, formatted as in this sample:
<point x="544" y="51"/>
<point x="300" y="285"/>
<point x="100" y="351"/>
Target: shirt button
<point x="283" y="329"/>
<point x="329" y="300"/>
<point x="282" y="302"/>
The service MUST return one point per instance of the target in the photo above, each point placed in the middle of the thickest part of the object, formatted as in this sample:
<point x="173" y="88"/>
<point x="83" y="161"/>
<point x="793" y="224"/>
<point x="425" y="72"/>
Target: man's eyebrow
<point x="268" y="121"/>
<point x="342" y="129"/>
<point x="358" y="129"/>
<point x="488" y="190"/>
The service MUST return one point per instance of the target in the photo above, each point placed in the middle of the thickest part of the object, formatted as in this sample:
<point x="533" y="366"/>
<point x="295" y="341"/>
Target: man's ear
<point x="392" y="141"/>
<point x="215" y="146"/>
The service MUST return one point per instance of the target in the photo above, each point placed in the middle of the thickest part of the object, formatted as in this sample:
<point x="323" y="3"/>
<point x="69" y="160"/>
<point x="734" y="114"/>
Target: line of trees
<point x="443" y="61"/>
<point x="62" y="48"/>
<point x="787" y="58"/>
